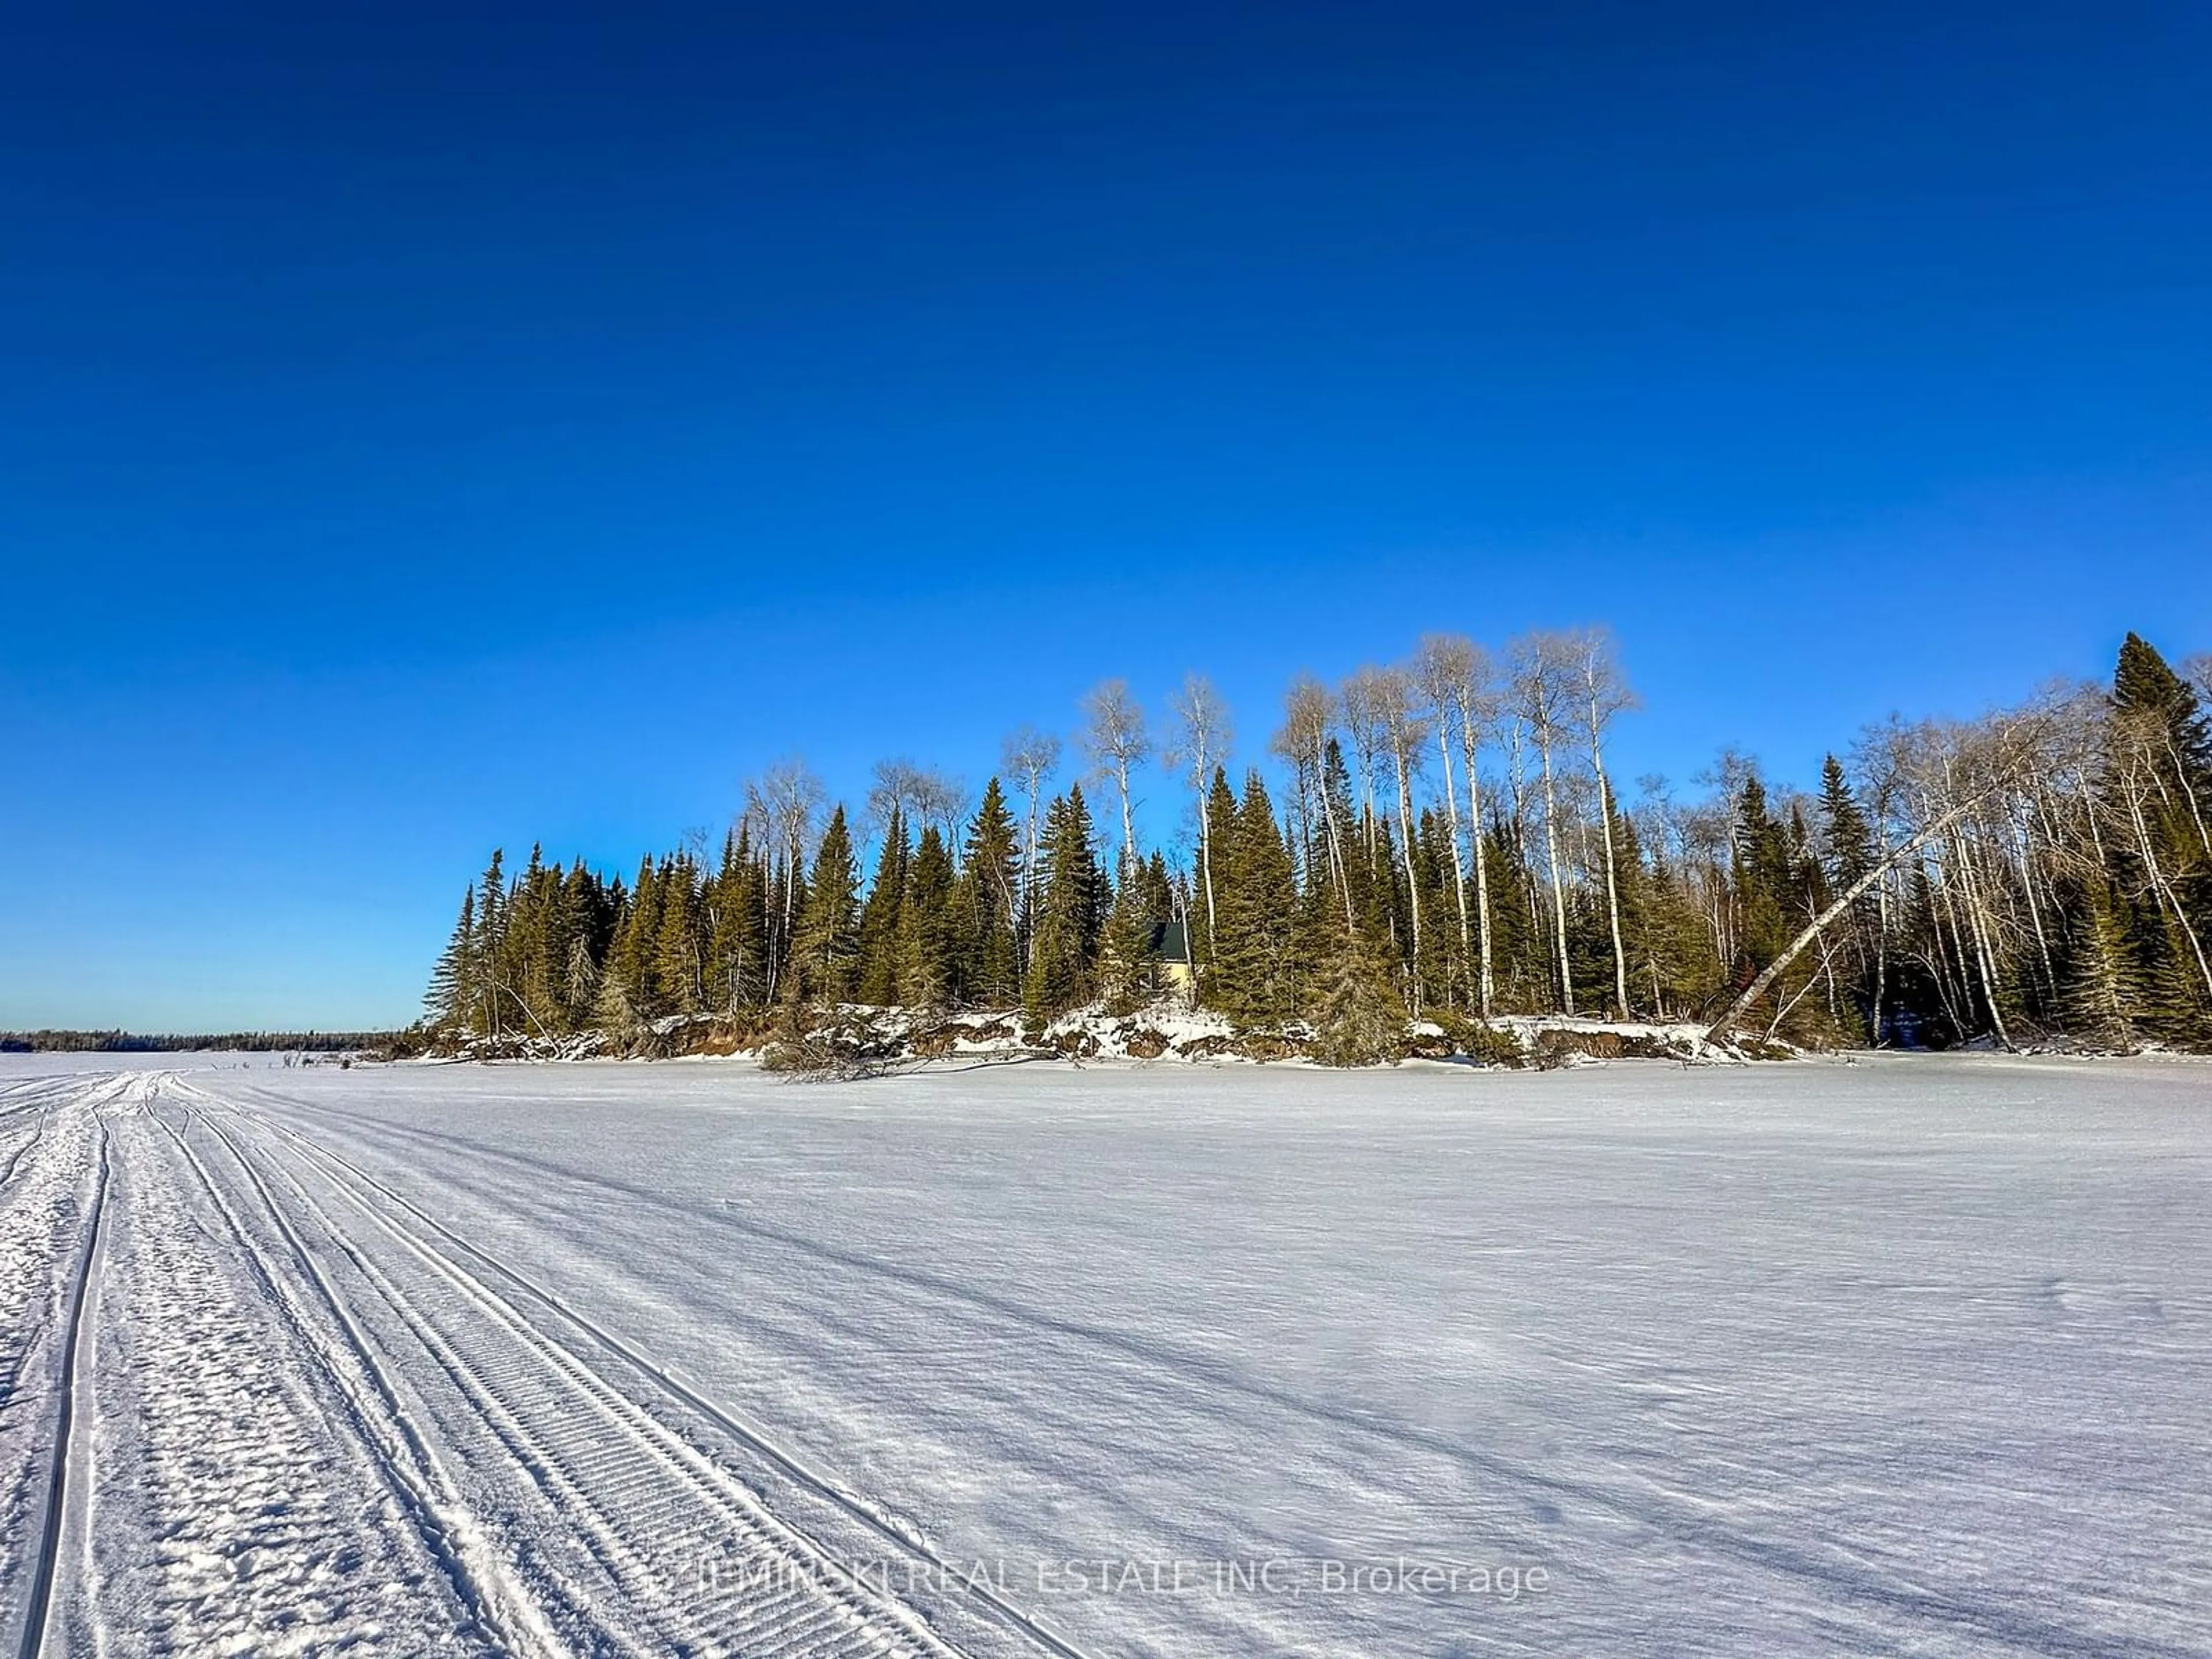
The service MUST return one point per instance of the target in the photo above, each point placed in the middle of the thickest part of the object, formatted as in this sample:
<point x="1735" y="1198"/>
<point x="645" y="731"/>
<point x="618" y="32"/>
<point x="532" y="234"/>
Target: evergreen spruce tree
<point x="739" y="938"/>
<point x="1442" y="969"/>
<point x="826" y="939"/>
<point x="929" y="953"/>
<point x="2144" y="686"/>
<point x="1520" y="954"/>
<point x="987" y="906"/>
<point x="544" y="959"/>
<point x="1358" y="1017"/>
<point x="582" y="905"/>
<point x="1632" y="883"/>
<point x="1356" y="874"/>
<point x="1162" y="899"/>
<point x="2158" y="794"/>
<point x="451" y="994"/>
<point x="625" y="999"/>
<point x="1765" y="876"/>
<point x="1220" y="831"/>
<point x="2172" y="1005"/>
<point x="1124" y="947"/>
<point x="676" y="959"/>
<point x="880" y="918"/>
<point x="1850" y="855"/>
<point x="1851" y="842"/>
<point x="1071" y="911"/>
<point x="2102" y="990"/>
<point x="1253" y="974"/>
<point x="491" y="946"/>
<point x="1680" y="968"/>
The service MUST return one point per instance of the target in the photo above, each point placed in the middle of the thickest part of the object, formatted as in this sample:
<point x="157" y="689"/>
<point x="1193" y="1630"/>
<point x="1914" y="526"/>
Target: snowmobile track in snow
<point x="702" y="1564"/>
<point x="1833" y="1573"/>
<point x="591" y="1452"/>
<point x="76" y="1344"/>
<point x="392" y="1441"/>
<point x="817" y="1485"/>
<point x="622" y="1363"/>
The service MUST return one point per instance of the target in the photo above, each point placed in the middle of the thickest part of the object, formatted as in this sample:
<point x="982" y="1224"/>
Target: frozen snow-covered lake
<point x="1909" y="1356"/>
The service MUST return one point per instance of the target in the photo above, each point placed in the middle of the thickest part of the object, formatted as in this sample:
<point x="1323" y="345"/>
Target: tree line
<point x="50" y="1041"/>
<point x="1438" y="838"/>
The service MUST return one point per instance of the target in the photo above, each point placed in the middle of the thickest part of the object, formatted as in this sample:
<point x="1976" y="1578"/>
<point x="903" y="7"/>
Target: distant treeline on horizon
<point x="143" y="1042"/>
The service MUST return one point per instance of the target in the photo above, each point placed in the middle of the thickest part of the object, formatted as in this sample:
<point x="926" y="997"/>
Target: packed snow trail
<point x="329" y="1426"/>
<point x="639" y="1360"/>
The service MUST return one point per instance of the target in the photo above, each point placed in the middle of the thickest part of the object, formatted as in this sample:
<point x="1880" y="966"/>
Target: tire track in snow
<point x="503" y="1614"/>
<point x="817" y="1484"/>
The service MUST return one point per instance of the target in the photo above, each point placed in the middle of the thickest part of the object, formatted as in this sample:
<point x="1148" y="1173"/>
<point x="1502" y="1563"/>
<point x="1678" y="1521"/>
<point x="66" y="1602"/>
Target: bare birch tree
<point x="1406" y="735"/>
<point x="1603" y="693"/>
<point x="1543" y="684"/>
<point x="1031" y="758"/>
<point x="1445" y="665"/>
<point x="893" y="789"/>
<point x="786" y="798"/>
<point x="1309" y="712"/>
<point x="1115" y="738"/>
<point x="941" y="801"/>
<point x="2198" y="671"/>
<point x="1361" y="699"/>
<point x="1199" y="742"/>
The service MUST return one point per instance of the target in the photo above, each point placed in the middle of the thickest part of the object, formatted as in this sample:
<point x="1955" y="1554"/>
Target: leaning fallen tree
<point x="1717" y="1031"/>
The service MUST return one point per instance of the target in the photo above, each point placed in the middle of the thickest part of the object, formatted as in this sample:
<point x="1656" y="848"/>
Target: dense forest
<point x="1441" y="839"/>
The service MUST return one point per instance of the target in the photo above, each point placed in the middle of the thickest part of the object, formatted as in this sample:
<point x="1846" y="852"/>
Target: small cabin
<point x="1168" y="958"/>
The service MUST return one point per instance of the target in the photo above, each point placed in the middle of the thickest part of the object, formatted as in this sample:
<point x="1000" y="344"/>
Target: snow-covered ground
<point x="1909" y="1356"/>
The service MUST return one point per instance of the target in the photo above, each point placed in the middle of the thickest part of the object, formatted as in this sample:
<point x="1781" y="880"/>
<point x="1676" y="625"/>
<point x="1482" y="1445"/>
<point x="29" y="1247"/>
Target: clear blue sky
<point x="426" y="427"/>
